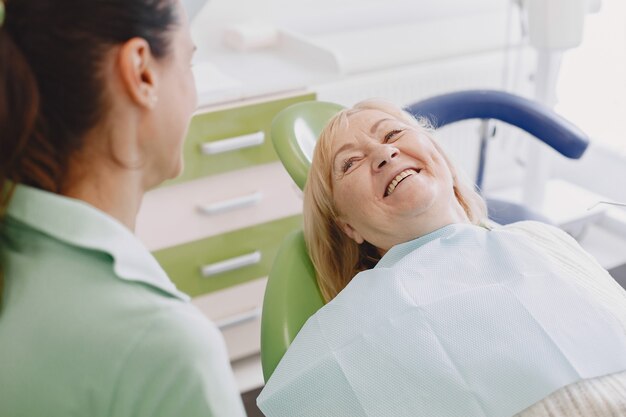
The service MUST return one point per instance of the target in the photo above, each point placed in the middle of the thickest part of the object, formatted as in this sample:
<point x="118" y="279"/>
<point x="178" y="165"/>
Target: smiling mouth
<point x="399" y="178"/>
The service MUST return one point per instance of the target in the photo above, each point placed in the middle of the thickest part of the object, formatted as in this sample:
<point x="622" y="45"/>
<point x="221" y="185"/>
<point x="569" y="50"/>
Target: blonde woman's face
<point x="390" y="183"/>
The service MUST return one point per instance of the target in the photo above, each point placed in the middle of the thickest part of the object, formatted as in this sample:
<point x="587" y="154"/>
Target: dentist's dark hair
<point x="52" y="89"/>
<point x="51" y="86"/>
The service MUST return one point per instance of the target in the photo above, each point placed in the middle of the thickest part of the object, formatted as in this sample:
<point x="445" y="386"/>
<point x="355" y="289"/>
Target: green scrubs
<point x="91" y="325"/>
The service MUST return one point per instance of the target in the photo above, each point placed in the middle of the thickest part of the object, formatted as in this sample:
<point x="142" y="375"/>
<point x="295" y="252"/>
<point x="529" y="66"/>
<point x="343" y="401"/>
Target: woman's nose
<point x="383" y="155"/>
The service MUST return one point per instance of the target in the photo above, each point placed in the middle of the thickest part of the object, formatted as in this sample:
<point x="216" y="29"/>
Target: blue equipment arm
<point x="533" y="117"/>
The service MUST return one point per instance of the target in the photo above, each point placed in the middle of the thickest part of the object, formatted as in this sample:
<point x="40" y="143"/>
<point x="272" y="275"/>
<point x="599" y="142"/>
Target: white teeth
<point x="398" y="178"/>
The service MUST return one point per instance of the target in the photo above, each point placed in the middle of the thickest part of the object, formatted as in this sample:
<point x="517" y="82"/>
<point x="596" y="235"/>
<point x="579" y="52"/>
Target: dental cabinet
<point x="216" y="228"/>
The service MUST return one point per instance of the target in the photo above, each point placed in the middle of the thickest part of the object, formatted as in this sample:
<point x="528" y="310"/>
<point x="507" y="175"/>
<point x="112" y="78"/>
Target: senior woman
<point x="431" y="312"/>
<point x="96" y="100"/>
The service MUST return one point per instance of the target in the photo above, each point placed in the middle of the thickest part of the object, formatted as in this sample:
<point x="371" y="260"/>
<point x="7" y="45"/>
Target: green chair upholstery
<point x="292" y="294"/>
<point x="295" y="131"/>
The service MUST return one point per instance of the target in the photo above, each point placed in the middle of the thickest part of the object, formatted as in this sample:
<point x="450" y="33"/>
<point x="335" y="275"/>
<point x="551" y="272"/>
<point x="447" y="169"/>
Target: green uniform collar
<point x="80" y="224"/>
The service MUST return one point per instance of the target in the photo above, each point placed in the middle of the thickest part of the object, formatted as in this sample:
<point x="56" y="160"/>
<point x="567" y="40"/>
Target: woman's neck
<point x="448" y="212"/>
<point x="109" y="188"/>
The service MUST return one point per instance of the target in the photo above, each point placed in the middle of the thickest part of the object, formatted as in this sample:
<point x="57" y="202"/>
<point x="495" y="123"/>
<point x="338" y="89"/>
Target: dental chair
<point x="292" y="294"/>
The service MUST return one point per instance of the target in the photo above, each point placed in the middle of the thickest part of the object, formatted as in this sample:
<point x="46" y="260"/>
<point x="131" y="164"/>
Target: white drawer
<point x="237" y="312"/>
<point x="217" y="204"/>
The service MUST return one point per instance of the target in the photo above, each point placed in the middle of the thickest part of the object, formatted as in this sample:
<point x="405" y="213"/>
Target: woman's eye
<point x="391" y="134"/>
<point x="347" y="165"/>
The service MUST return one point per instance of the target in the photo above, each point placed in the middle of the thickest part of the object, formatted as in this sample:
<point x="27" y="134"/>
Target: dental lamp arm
<point x="535" y="118"/>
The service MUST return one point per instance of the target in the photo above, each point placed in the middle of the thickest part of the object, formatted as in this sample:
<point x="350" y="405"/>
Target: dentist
<point x="96" y="97"/>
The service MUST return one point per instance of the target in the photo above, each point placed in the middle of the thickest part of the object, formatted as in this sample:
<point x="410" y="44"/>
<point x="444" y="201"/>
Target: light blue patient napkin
<point x="462" y="322"/>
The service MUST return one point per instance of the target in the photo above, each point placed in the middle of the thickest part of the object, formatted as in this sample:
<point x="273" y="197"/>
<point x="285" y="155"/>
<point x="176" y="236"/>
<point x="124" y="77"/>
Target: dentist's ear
<point x="137" y="72"/>
<point x="351" y="232"/>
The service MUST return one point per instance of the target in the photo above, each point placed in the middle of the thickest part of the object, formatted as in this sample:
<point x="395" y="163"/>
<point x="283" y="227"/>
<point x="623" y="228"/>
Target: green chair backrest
<point x="295" y="131"/>
<point x="292" y="294"/>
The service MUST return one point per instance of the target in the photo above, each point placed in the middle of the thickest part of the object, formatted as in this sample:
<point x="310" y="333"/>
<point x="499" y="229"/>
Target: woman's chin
<point x="176" y="170"/>
<point x="164" y="175"/>
<point x="412" y="196"/>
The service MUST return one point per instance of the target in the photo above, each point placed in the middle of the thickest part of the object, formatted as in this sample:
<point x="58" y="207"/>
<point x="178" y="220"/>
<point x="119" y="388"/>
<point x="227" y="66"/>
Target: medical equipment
<point x="292" y="294"/>
<point x="553" y="27"/>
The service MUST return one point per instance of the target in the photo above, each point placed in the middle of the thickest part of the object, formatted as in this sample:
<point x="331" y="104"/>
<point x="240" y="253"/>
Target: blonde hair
<point x="336" y="257"/>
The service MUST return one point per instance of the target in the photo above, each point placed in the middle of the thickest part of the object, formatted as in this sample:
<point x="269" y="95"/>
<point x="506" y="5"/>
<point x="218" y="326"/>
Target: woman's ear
<point x="351" y="232"/>
<point x="136" y="67"/>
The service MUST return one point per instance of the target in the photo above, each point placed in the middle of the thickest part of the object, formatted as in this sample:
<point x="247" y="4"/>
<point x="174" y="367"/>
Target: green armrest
<point x="291" y="297"/>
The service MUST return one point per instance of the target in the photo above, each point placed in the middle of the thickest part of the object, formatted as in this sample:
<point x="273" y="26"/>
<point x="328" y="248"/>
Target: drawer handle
<point x="232" y="204"/>
<point x="239" y="319"/>
<point x="231" y="264"/>
<point x="233" y="144"/>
